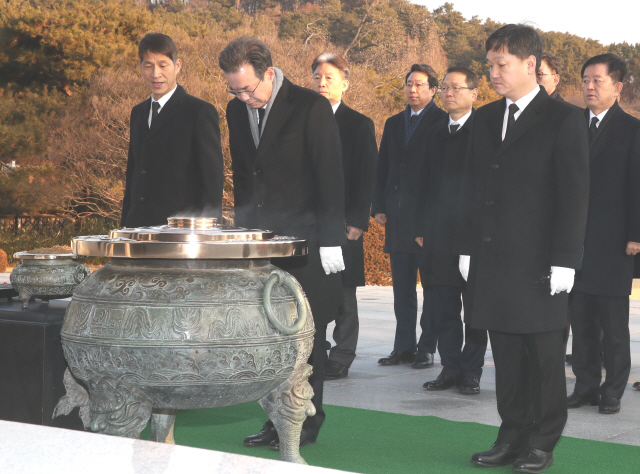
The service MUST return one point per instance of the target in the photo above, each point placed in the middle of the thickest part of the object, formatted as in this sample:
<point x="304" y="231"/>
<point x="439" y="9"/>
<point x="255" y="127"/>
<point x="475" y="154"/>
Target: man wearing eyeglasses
<point x="402" y="154"/>
<point x="286" y="159"/>
<point x="548" y="76"/>
<point x="437" y="215"/>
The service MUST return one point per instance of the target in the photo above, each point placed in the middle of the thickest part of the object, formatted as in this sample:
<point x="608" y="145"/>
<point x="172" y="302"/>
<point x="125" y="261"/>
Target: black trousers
<point x="530" y="387"/>
<point x="345" y="333"/>
<point x="457" y="362"/>
<point x="589" y="315"/>
<point x="404" y="272"/>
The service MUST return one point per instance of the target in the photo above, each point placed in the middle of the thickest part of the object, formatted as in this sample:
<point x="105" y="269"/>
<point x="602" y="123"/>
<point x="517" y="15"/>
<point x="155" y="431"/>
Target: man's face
<point x="457" y="103"/>
<point x="512" y="77"/>
<point x="598" y="89"/>
<point x="327" y="80"/>
<point x="248" y="87"/>
<point x="547" y="78"/>
<point x="159" y="73"/>
<point x="418" y="92"/>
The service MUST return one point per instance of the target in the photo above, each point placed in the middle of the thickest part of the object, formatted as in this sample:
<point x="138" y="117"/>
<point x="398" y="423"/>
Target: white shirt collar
<point x="523" y="101"/>
<point x="600" y="116"/>
<point x="335" y="107"/>
<point x="413" y="112"/>
<point x="165" y="98"/>
<point x="461" y="120"/>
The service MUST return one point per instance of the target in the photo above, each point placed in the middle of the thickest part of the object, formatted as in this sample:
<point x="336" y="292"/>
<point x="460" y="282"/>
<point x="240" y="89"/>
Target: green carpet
<point x="373" y="442"/>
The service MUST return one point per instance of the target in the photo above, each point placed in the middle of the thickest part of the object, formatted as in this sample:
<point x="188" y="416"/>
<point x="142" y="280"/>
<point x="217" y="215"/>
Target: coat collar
<point x="167" y="113"/>
<point x="282" y="107"/>
<point x="595" y="142"/>
<point x="427" y="121"/>
<point x="529" y="117"/>
<point x="443" y="127"/>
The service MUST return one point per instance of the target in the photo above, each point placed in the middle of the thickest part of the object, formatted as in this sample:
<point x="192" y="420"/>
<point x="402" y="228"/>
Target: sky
<point x="613" y="22"/>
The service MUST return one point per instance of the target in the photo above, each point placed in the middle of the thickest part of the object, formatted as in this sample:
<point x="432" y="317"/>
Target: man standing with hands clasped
<point x="523" y="216"/>
<point x="600" y="300"/>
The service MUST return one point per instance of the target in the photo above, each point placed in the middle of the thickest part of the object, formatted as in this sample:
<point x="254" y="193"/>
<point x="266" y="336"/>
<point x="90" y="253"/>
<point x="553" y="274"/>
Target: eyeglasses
<point x="237" y="93"/>
<point x="417" y="85"/>
<point x="541" y="74"/>
<point x="454" y="89"/>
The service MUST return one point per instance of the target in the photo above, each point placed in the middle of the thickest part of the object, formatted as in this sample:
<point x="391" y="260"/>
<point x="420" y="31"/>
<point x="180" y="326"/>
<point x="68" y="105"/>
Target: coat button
<point x="487" y="239"/>
<point x="260" y="204"/>
<point x="141" y="199"/>
<point x="256" y="172"/>
<point x="395" y="188"/>
<point x="143" y="172"/>
<point x="495" y="166"/>
<point x="489" y="203"/>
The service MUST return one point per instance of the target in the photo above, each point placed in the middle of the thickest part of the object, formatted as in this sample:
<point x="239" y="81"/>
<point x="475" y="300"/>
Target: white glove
<point x="463" y="265"/>
<point x="331" y="258"/>
<point x="561" y="279"/>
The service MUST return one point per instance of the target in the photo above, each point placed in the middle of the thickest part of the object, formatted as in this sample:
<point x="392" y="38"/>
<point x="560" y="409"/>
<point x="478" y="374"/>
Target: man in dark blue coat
<point x="600" y="299"/>
<point x="403" y="150"/>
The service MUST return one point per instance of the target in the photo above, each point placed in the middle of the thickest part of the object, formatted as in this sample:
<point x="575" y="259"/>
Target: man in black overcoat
<point x="330" y="78"/>
<point x="600" y="297"/>
<point x="288" y="178"/>
<point x="437" y="214"/>
<point x="175" y="163"/>
<point x="549" y="75"/>
<point x="524" y="210"/>
<point x="403" y="150"/>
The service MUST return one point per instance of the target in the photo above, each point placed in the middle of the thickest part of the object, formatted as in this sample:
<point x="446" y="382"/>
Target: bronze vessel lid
<point x="189" y="238"/>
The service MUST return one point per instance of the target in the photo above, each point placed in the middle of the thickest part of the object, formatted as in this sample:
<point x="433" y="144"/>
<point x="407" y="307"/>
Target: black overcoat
<point x="293" y="184"/>
<point x="439" y="201"/>
<point x="614" y="206"/>
<point x="176" y="167"/>
<point x="398" y="179"/>
<point x="359" y="159"/>
<point x="524" y="209"/>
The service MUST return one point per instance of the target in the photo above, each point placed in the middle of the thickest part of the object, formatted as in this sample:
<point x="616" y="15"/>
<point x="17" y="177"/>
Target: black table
<point x="32" y="364"/>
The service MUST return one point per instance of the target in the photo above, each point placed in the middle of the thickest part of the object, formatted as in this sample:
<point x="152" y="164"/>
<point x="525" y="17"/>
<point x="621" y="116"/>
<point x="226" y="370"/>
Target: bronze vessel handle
<point x="287" y="280"/>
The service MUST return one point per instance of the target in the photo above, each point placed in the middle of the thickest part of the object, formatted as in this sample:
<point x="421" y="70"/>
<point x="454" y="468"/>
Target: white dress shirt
<point x="460" y="121"/>
<point x="600" y="117"/>
<point x="522" y="103"/>
<point x="162" y="100"/>
<point x="335" y="107"/>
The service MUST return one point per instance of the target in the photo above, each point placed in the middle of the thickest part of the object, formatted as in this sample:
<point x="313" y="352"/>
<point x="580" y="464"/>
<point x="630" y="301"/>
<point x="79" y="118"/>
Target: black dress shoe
<point x="305" y="438"/>
<point x="609" y="405"/>
<point x="636" y="385"/>
<point x="398" y="357"/>
<point x="265" y="437"/>
<point x="533" y="460"/>
<point x="423" y="360"/>
<point x="335" y="370"/>
<point x="470" y="386"/>
<point x="443" y="382"/>
<point x="577" y="399"/>
<point x="500" y="454"/>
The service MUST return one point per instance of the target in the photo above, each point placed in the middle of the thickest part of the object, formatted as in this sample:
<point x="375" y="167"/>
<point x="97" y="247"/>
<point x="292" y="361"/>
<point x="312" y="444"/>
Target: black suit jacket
<point x="524" y="209"/>
<point x="293" y="184"/>
<point x="176" y="167"/>
<point x="359" y="159"/>
<point x="439" y="201"/>
<point x="398" y="179"/>
<point x="614" y="205"/>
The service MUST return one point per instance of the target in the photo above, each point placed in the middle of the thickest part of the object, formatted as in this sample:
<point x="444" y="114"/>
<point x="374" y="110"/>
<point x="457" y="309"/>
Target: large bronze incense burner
<point x="188" y="315"/>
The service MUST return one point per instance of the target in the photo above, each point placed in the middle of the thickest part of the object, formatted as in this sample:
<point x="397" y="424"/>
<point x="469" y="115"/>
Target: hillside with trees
<point x="69" y="78"/>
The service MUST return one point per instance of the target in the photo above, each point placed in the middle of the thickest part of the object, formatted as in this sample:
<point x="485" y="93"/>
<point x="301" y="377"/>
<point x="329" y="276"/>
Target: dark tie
<point x="261" y="118"/>
<point x="414" y="119"/>
<point x="453" y="128"/>
<point x="593" y="128"/>
<point x="513" y="108"/>
<point x="155" y="106"/>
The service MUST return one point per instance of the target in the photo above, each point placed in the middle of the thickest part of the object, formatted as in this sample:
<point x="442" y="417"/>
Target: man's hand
<point x="561" y="279"/>
<point x="463" y="265"/>
<point x="420" y="241"/>
<point x="380" y="218"/>
<point x="331" y="258"/>
<point x="633" y="248"/>
<point x="353" y="233"/>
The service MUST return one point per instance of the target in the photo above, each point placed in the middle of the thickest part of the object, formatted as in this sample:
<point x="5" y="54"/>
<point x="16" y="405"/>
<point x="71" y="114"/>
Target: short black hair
<point x="246" y="50"/>
<point x="553" y="62"/>
<point x="158" y="43"/>
<point x="616" y="66"/>
<point x="424" y="69"/>
<point x="471" y="78"/>
<point x="520" y="40"/>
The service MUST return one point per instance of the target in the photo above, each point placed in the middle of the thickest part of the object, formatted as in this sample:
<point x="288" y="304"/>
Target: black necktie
<point x="453" y="128"/>
<point x="513" y="108"/>
<point x="593" y="128"/>
<point x="155" y="106"/>
<point x="261" y="118"/>
<point x="413" y="119"/>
